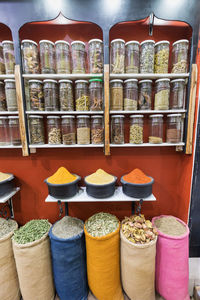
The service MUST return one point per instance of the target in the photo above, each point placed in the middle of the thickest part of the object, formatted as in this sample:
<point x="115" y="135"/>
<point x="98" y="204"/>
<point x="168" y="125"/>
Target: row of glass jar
<point x="128" y="98"/>
<point x="45" y="95"/>
<point x="9" y="131"/>
<point x="59" y="58"/>
<point x="8" y="98"/>
<point x="7" y="57"/>
<point x="148" y="56"/>
<point x="173" y="132"/>
<point x="66" y="131"/>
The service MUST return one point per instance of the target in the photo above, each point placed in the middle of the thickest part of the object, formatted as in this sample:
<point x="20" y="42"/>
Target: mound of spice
<point x="31" y="231"/>
<point x="137" y="176"/>
<point x="4" y="176"/>
<point x="61" y="176"/>
<point x="101" y="224"/>
<point x="138" y="230"/>
<point x="170" y="225"/>
<point x="100" y="177"/>
<point x="68" y="227"/>
<point x="7" y="226"/>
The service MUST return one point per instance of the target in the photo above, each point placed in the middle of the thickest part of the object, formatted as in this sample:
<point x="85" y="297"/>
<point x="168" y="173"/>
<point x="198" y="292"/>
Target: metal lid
<point x="46" y="41"/>
<point x="77" y="81"/>
<point x="129" y="80"/>
<point x="95" y="40"/>
<point x="180" y="41"/>
<point x="147" y="41"/>
<point x="82" y="116"/>
<point x="35" y="80"/>
<point x="117" y="40"/>
<point x="29" y="41"/>
<point x="132" y="42"/>
<point x="97" y="116"/>
<point x="77" y="42"/>
<point x="117" y="116"/>
<point x="62" y="42"/>
<point x="136" y="116"/>
<point x="146" y="80"/>
<point x="7" y="42"/>
<point x="67" y="116"/>
<point x="65" y="80"/>
<point x="178" y="80"/>
<point x="116" y="80"/>
<point x="174" y="115"/>
<point x="9" y="80"/>
<point x="35" y="116"/>
<point x="53" y="117"/>
<point x="96" y="79"/>
<point x="152" y="116"/>
<point x="162" y="42"/>
<point x="50" y="80"/>
<point x="13" y="117"/>
<point x="162" y="79"/>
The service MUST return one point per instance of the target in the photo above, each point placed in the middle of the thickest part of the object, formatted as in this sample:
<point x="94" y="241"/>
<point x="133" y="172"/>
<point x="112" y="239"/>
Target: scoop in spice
<point x="61" y="176"/>
<point x="137" y="176"/>
<point x="100" y="177"/>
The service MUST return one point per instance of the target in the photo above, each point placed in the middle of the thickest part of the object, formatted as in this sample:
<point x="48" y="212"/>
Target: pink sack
<point x="172" y="264"/>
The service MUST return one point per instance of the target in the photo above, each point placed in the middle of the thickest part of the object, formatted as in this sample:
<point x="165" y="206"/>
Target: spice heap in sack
<point x="101" y="224"/>
<point x="7" y="226"/>
<point x="137" y="176"/>
<point x="68" y="227"/>
<point x="170" y="226"/>
<point x="100" y="177"/>
<point x="4" y="176"/>
<point x="61" y="176"/>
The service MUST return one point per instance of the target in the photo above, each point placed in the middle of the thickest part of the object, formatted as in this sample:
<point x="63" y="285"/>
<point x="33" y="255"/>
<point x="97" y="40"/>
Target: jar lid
<point x="162" y="79"/>
<point x="78" y="81"/>
<point x="35" y="116"/>
<point x="95" y="40"/>
<point x="117" y="116"/>
<point x="147" y="41"/>
<point x="29" y="41"/>
<point x="95" y="79"/>
<point x="132" y="42"/>
<point x="53" y="117"/>
<point x="180" y="41"/>
<point x="117" y="40"/>
<point x="3" y="117"/>
<point x="67" y="116"/>
<point x="153" y="116"/>
<point x="129" y="80"/>
<point x="96" y="116"/>
<point x="162" y="42"/>
<point x="146" y="80"/>
<point x="77" y="42"/>
<point x="50" y="80"/>
<point x="178" y="80"/>
<point x="65" y="80"/>
<point x="62" y="42"/>
<point x="9" y="80"/>
<point x="13" y="117"/>
<point x="35" y="80"/>
<point x="174" y="115"/>
<point x="136" y="116"/>
<point x="7" y="42"/>
<point x="82" y="116"/>
<point x="46" y="41"/>
<point x="116" y="80"/>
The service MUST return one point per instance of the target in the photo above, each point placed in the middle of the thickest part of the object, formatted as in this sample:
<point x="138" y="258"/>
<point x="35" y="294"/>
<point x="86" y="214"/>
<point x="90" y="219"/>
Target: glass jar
<point x="162" y="92"/>
<point x="117" y="58"/>
<point x="82" y="95"/>
<point x="63" y="58"/>
<point x="177" y="94"/>
<point x="66" y="95"/>
<point x="136" y="129"/>
<point x="11" y="97"/>
<point x="161" y="62"/>
<point x="68" y="130"/>
<point x="95" y="52"/>
<point x="130" y="94"/>
<point x="9" y="57"/>
<point x="156" y="129"/>
<point x="96" y="94"/>
<point x="51" y="101"/>
<point x="180" y="56"/>
<point x="83" y="130"/>
<point x="117" y="129"/>
<point x="174" y="128"/>
<point x="53" y="130"/>
<point x="15" y="138"/>
<point x="97" y="132"/>
<point x="27" y="96"/>
<point x="147" y="56"/>
<point x="2" y="64"/>
<point x="47" y="57"/>
<point x="4" y="131"/>
<point x="78" y="57"/>
<point x="36" y="95"/>
<point x="116" y="94"/>
<point x="145" y="94"/>
<point x="36" y="129"/>
<point x="132" y="57"/>
<point x="3" y="106"/>
<point x="30" y="56"/>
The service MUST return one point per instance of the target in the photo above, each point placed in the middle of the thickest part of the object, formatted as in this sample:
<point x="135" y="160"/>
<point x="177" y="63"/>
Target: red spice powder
<point x="137" y="176"/>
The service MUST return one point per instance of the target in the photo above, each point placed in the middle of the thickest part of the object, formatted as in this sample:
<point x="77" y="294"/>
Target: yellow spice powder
<point x="4" y="176"/>
<point x="61" y="176"/>
<point x="100" y="177"/>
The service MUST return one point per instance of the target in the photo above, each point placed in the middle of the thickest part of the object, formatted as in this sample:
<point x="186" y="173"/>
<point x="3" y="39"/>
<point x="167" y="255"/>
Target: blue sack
<point x="69" y="266"/>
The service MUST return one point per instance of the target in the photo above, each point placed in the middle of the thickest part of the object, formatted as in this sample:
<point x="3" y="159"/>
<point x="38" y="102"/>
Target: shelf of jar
<point x="62" y="112"/>
<point x="149" y="75"/>
<point x="6" y="197"/>
<point x="32" y="146"/>
<point x="7" y="76"/>
<point x="9" y="113"/>
<point x="148" y="145"/>
<point x="82" y="196"/>
<point x="62" y="76"/>
<point x="137" y="112"/>
<point x="11" y="147"/>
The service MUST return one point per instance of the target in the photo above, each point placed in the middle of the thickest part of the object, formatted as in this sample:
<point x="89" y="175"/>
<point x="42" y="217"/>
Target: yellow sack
<point x="103" y="265"/>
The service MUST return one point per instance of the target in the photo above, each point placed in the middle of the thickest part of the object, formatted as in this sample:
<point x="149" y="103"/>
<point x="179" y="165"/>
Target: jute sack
<point x="9" y="284"/>
<point x="138" y="269"/>
<point x="33" y="261"/>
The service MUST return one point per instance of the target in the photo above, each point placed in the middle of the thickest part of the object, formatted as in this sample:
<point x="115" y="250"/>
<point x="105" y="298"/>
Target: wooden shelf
<point x="7" y="113"/>
<point x="147" y="145"/>
<point x="6" y="197"/>
<point x="138" y="112"/>
<point x="7" y="76"/>
<point x="62" y="76"/>
<point x="35" y="112"/>
<point x="65" y="146"/>
<point x="149" y="76"/>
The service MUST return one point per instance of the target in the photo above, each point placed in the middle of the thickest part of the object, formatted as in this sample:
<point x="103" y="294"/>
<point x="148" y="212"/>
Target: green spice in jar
<point x="161" y="57"/>
<point x="136" y="129"/>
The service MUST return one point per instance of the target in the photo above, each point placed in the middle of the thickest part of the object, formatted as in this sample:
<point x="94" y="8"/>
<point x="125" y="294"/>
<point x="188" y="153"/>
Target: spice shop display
<point x="97" y="130"/>
<point x="96" y="94"/>
<point x="30" y="56"/>
<point x="47" y="57"/>
<point x="15" y="138"/>
<point x="51" y="100"/>
<point x="61" y="176"/>
<point x="130" y="94"/>
<point x="116" y="94"/>
<point x="161" y="57"/>
<point x="156" y="129"/>
<point x="95" y="56"/>
<point x="100" y="177"/>
<point x="3" y="106"/>
<point x="145" y="94"/>
<point x="36" y="95"/>
<point x="2" y="64"/>
<point x="63" y="57"/>
<point x="78" y="57"/>
<point x="11" y="97"/>
<point x="36" y="129"/>
<point x="82" y="95"/>
<point x="162" y="93"/>
<point x="136" y="129"/>
<point x="68" y="130"/>
<point x="147" y="56"/>
<point x="9" y="57"/>
<point x="53" y="130"/>
<point x="177" y="94"/>
<point x="180" y="56"/>
<point x="117" y="56"/>
<point x="117" y="129"/>
<point x="66" y="95"/>
<point x="4" y="131"/>
<point x="83" y="130"/>
<point x="174" y="128"/>
<point x="132" y="55"/>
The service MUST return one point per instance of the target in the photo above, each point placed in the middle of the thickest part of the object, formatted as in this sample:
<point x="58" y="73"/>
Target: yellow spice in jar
<point x="61" y="176"/>
<point x="4" y="176"/>
<point x="100" y="177"/>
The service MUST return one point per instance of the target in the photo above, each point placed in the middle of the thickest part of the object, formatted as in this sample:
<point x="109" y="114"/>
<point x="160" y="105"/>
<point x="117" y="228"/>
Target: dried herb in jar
<point x="96" y="61"/>
<point x="97" y="135"/>
<point x="161" y="61"/>
<point x="162" y="100"/>
<point x="2" y="64"/>
<point x="31" y="60"/>
<point x="180" y="67"/>
<point x="69" y="138"/>
<point x="155" y="140"/>
<point x="83" y="135"/>
<point x="82" y="103"/>
<point x="54" y="135"/>
<point x="136" y="134"/>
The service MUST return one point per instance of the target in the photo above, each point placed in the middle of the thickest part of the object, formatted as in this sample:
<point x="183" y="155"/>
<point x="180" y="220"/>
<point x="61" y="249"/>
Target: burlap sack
<point x="138" y="269"/>
<point x="9" y="284"/>
<point x="33" y="261"/>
